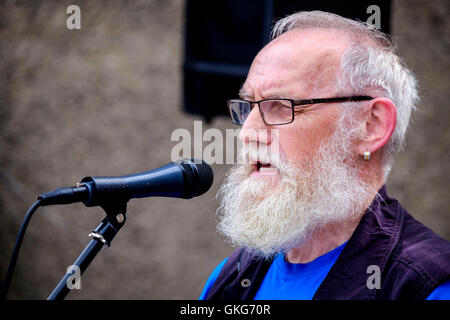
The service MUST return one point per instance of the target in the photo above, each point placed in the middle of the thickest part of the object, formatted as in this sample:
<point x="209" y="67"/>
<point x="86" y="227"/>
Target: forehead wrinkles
<point x="293" y="69"/>
<point x="260" y="80"/>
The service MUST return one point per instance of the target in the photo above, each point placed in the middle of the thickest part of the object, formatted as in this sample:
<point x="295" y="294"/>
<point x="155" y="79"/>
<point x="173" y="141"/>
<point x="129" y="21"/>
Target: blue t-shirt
<point x="300" y="281"/>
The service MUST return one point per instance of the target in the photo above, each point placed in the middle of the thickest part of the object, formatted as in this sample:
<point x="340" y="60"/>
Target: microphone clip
<point x="114" y="220"/>
<point x="101" y="238"/>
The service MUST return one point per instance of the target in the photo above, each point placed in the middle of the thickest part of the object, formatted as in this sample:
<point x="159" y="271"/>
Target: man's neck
<point x="322" y="242"/>
<point x="333" y="235"/>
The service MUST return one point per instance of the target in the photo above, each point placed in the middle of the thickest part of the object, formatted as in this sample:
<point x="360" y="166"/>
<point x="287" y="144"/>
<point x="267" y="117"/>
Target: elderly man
<point x="311" y="216"/>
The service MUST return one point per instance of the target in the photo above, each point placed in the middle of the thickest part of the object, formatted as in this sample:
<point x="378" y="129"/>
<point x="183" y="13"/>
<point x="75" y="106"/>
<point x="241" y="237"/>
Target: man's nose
<point x="254" y="129"/>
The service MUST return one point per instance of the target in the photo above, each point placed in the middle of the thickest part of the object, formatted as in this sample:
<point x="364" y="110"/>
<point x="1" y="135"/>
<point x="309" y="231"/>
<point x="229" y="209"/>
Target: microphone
<point x="182" y="179"/>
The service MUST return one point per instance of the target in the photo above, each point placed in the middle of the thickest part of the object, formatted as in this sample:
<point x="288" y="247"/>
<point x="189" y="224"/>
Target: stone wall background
<point x="104" y="101"/>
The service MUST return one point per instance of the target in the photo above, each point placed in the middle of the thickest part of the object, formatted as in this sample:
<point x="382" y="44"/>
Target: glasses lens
<point x="277" y="111"/>
<point x="239" y="111"/>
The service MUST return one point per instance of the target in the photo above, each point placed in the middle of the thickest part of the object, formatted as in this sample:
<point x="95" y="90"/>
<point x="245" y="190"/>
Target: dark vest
<point x="411" y="258"/>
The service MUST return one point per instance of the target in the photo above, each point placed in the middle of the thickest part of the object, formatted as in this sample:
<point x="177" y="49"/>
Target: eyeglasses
<point x="276" y="112"/>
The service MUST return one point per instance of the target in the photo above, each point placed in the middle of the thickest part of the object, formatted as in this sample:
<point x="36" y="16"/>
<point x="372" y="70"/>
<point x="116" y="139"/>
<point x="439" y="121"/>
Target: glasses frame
<point x="295" y="103"/>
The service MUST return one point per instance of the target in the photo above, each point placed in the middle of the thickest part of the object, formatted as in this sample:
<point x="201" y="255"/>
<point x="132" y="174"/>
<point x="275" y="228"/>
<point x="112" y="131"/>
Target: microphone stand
<point x="101" y="237"/>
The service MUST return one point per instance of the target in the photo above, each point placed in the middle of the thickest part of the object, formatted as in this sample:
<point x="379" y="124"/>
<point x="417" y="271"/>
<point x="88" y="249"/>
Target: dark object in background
<point x="223" y="37"/>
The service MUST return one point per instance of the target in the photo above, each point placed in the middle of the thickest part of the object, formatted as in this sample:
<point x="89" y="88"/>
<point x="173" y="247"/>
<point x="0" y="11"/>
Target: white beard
<point x="307" y="198"/>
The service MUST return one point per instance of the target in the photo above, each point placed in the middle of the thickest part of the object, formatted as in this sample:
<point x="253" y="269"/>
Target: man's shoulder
<point x="420" y="242"/>
<point x="422" y="251"/>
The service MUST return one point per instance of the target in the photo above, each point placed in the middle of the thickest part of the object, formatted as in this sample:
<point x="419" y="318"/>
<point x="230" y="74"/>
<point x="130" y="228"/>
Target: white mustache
<point x="253" y="153"/>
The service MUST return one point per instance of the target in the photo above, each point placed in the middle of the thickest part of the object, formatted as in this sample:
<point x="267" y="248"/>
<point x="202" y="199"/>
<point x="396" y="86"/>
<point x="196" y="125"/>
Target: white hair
<point x="369" y="66"/>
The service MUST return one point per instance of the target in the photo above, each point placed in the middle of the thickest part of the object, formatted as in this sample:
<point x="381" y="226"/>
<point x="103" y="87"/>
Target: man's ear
<point x="380" y="124"/>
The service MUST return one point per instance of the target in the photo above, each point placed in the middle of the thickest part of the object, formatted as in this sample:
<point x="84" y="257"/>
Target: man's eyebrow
<point x="244" y="94"/>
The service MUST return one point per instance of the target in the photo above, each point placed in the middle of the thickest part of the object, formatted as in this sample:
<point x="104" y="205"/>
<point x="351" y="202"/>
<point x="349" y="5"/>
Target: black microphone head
<point x="198" y="177"/>
<point x="206" y="176"/>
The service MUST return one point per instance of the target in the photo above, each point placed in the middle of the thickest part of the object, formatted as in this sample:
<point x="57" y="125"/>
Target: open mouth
<point x="264" y="167"/>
